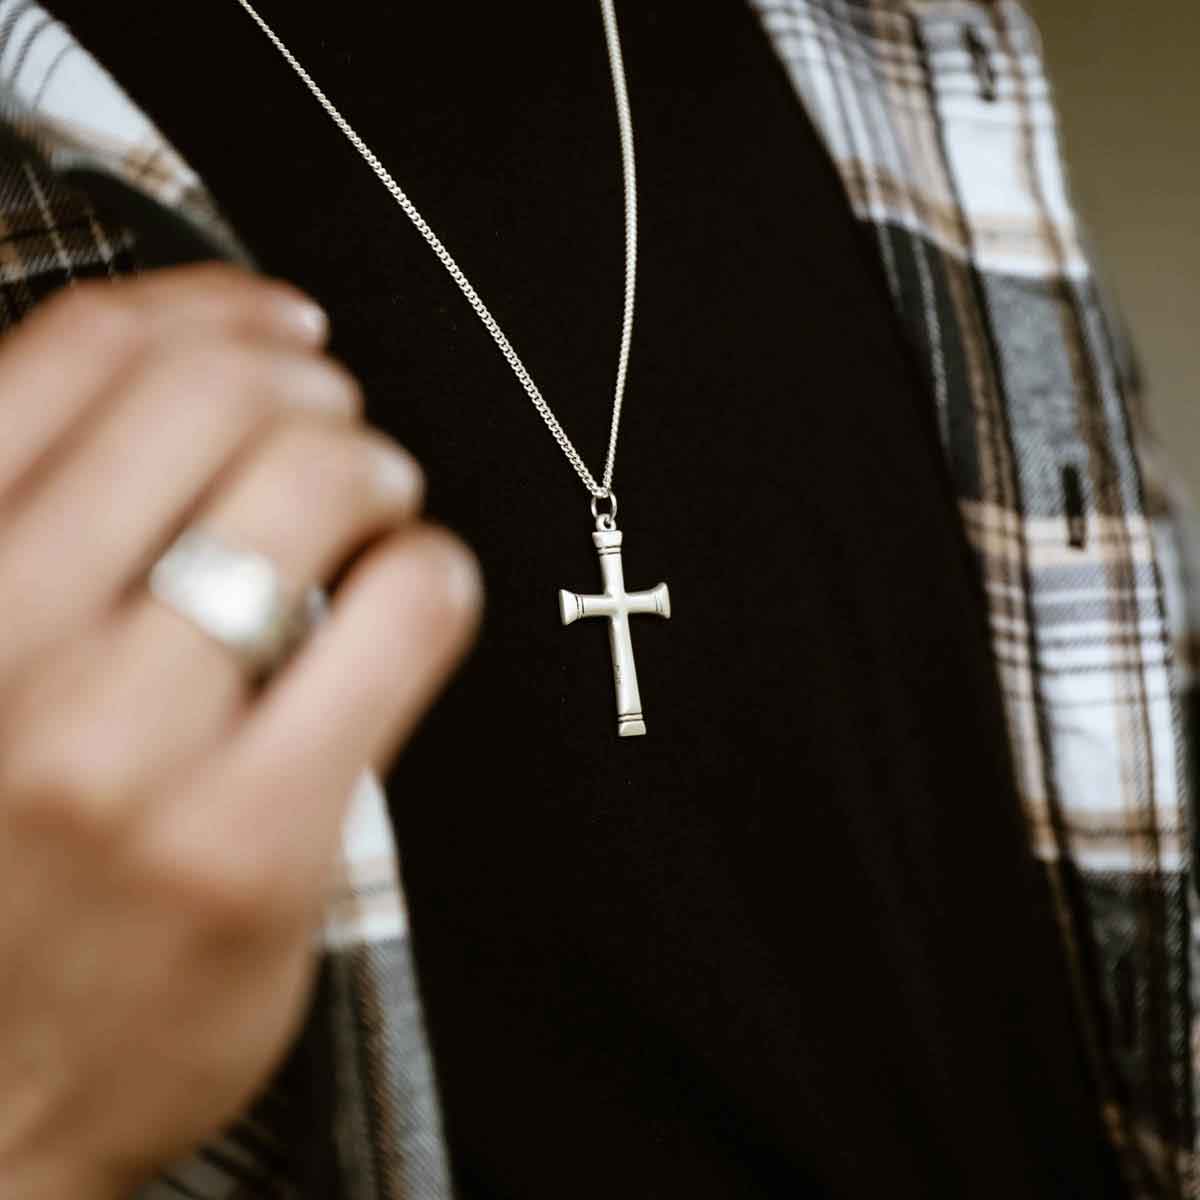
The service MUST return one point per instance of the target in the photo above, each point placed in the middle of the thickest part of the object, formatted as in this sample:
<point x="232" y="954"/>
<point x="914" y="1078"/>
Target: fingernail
<point x="395" y="472"/>
<point x="464" y="581"/>
<point x="303" y="317"/>
<point x="319" y="384"/>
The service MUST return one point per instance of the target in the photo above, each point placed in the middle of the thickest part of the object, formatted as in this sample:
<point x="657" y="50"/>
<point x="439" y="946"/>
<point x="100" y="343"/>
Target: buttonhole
<point x="982" y="62"/>
<point x="1073" y="507"/>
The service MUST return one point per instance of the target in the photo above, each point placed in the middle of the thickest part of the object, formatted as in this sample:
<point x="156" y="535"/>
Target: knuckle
<point x="72" y="786"/>
<point x="210" y="871"/>
<point x="232" y="895"/>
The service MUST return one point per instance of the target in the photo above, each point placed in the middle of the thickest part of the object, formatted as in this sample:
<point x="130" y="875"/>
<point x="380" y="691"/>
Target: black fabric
<point x="791" y="943"/>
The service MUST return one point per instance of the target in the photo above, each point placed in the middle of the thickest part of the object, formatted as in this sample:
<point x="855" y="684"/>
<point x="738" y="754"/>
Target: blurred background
<point x="1127" y="81"/>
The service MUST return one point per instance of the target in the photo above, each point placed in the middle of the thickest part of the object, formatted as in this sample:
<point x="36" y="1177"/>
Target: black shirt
<point x="790" y="943"/>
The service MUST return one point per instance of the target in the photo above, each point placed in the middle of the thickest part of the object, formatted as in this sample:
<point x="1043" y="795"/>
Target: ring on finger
<point x="237" y="596"/>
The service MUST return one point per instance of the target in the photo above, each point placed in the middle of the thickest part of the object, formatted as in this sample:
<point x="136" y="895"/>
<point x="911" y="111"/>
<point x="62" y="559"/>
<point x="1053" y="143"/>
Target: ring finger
<point x="309" y="496"/>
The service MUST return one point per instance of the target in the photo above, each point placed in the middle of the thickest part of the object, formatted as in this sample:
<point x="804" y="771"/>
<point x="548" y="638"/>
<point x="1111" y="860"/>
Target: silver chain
<point x="602" y="490"/>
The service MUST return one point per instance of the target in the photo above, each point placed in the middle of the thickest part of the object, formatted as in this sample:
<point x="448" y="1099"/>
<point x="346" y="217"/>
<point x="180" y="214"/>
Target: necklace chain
<point x="602" y="490"/>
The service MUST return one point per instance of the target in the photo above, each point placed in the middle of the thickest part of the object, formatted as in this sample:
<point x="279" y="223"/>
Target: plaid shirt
<point x="938" y="116"/>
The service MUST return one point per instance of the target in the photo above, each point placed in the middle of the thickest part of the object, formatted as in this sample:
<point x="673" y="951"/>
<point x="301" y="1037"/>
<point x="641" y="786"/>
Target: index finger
<point x="72" y="351"/>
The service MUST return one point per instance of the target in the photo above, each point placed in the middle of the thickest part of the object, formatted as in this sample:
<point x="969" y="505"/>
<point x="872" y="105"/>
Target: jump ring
<point x="606" y="520"/>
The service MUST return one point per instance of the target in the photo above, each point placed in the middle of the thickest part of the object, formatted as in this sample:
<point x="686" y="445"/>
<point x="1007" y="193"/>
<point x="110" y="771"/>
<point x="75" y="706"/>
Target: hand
<point x="167" y="836"/>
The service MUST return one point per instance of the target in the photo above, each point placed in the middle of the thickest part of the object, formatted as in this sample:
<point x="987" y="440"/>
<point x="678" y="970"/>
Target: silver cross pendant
<point x="616" y="604"/>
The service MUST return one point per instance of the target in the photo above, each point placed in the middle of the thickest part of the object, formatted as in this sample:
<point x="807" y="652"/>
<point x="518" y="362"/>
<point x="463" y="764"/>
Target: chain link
<point x="625" y="122"/>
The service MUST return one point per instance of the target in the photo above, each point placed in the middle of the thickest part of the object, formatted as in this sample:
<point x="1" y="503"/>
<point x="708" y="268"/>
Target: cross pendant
<point x="617" y="604"/>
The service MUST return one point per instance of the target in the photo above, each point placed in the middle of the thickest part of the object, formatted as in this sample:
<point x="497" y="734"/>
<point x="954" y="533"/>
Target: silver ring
<point x="238" y="597"/>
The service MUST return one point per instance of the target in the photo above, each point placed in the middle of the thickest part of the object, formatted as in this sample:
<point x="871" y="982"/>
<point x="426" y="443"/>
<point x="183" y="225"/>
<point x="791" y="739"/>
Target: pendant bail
<point x="605" y="521"/>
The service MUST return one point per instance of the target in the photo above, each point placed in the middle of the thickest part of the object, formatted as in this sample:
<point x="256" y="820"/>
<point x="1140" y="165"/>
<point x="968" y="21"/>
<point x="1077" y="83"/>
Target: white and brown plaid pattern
<point x="938" y="115"/>
<point x="353" y="1113"/>
<point x="939" y="118"/>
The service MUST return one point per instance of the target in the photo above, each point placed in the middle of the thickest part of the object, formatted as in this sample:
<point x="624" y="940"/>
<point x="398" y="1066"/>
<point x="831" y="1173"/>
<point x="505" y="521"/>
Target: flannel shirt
<point x="939" y="119"/>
